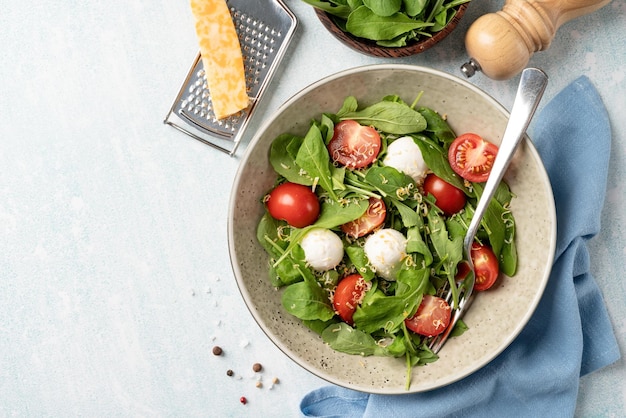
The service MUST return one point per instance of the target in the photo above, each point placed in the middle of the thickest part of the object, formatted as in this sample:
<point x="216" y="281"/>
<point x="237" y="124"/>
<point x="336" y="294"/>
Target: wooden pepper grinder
<point x="500" y="44"/>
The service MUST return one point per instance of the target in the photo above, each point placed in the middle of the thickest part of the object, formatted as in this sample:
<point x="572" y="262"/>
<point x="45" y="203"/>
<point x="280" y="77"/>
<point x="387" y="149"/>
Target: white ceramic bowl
<point x="495" y="318"/>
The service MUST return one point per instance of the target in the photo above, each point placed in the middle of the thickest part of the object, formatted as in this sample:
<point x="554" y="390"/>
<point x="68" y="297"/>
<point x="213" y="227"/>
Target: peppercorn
<point x="229" y="372"/>
<point x="257" y="367"/>
<point x="243" y="400"/>
<point x="217" y="350"/>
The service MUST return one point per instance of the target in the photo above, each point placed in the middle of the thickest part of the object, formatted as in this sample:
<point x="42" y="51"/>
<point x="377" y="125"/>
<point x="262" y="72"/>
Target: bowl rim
<point x="249" y="152"/>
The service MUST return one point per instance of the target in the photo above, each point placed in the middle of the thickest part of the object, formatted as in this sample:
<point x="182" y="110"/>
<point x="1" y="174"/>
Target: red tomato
<point x="432" y="317"/>
<point x="448" y="198"/>
<point x="485" y="265"/>
<point x="348" y="295"/>
<point x="373" y="217"/>
<point x="471" y="157"/>
<point x="294" y="203"/>
<point x="462" y="270"/>
<point x="354" y="145"/>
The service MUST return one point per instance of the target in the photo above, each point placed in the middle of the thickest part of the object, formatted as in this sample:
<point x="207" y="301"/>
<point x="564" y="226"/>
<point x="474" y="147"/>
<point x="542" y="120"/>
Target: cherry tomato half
<point x="485" y="265"/>
<point x="432" y="316"/>
<point x="354" y="145"/>
<point x="348" y="295"/>
<point x="449" y="199"/>
<point x="294" y="203"/>
<point x="373" y="217"/>
<point x="471" y="157"/>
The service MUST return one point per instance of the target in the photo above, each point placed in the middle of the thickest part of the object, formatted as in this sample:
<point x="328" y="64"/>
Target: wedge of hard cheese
<point x="221" y="56"/>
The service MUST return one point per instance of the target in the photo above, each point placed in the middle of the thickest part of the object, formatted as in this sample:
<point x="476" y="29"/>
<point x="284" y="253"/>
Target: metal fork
<point x="531" y="87"/>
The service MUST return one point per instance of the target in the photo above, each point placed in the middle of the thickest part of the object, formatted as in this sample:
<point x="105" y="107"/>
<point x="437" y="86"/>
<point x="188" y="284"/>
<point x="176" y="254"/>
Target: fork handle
<point x="532" y="84"/>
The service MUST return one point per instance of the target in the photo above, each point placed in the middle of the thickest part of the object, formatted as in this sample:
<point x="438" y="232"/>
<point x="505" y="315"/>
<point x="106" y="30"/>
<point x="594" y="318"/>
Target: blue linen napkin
<point x="570" y="334"/>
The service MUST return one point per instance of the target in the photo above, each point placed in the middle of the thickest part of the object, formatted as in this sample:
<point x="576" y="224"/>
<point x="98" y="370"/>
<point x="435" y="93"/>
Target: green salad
<point x="390" y="23"/>
<point x="364" y="226"/>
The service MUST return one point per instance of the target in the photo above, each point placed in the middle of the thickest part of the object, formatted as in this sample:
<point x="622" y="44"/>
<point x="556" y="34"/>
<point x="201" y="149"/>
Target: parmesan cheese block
<point x="221" y="56"/>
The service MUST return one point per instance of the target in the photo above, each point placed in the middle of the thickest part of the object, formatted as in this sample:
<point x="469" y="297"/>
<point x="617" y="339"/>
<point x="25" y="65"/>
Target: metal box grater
<point x="265" y="28"/>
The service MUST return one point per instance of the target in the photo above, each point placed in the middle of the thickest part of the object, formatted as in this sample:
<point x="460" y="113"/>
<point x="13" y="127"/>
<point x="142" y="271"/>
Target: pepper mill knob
<point x="500" y="44"/>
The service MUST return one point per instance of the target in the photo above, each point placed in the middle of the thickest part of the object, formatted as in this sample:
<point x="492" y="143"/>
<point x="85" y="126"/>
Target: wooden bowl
<point x="368" y="47"/>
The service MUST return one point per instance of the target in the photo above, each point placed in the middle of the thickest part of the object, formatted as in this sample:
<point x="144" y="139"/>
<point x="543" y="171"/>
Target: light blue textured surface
<point x="114" y="273"/>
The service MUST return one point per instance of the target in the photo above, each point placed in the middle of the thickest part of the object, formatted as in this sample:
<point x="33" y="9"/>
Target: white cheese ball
<point x="385" y="250"/>
<point x="323" y="249"/>
<point x="404" y="155"/>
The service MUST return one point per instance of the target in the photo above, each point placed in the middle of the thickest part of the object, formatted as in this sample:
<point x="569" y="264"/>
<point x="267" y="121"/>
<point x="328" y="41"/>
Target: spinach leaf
<point x="319" y="326"/>
<point x="333" y="214"/>
<point x="364" y="23"/>
<point x="416" y="244"/>
<point x="313" y="158"/>
<point x="289" y="270"/>
<point x="357" y="256"/>
<point x="391" y="182"/>
<point x="391" y="117"/>
<point x="349" y="105"/>
<point x="436" y="159"/>
<point x="414" y="7"/>
<point x="307" y="299"/>
<point x="341" y="11"/>
<point x="437" y="125"/>
<point x="383" y="7"/>
<point x="449" y="250"/>
<point x="409" y="216"/>
<point x="283" y="152"/>
<point x="327" y="128"/>
<point x="343" y="338"/>
<point x="267" y="235"/>
<point x="508" y="256"/>
<point x="492" y="221"/>
<point x="378" y="311"/>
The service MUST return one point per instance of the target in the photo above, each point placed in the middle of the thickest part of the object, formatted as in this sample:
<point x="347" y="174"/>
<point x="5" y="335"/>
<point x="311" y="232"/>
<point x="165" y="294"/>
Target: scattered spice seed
<point x="275" y="380"/>
<point x="259" y="384"/>
<point x="257" y="367"/>
<point x="243" y="400"/>
<point x="229" y="372"/>
<point x="217" y="350"/>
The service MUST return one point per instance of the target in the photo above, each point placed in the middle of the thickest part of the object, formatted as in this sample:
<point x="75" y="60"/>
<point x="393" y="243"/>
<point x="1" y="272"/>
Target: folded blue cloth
<point x="569" y="334"/>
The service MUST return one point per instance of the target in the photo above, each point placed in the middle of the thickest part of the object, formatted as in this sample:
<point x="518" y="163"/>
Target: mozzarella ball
<point x="323" y="249"/>
<point x="385" y="250"/>
<point x="404" y="155"/>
